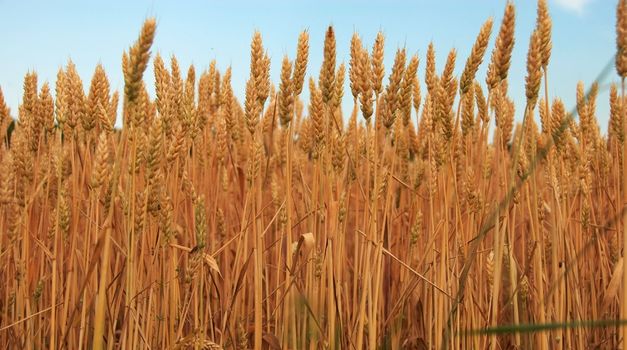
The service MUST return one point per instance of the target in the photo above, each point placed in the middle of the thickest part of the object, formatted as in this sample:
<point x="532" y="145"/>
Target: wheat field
<point x="427" y="217"/>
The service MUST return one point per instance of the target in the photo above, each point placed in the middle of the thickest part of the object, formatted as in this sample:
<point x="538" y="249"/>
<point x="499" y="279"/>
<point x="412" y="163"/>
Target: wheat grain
<point x="300" y="64"/>
<point x="476" y="57"/>
<point x="621" y="38"/>
<point x="502" y="53"/>
<point x="378" y="69"/>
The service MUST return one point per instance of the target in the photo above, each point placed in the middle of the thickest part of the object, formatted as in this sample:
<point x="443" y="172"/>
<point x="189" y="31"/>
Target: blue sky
<point x="42" y="36"/>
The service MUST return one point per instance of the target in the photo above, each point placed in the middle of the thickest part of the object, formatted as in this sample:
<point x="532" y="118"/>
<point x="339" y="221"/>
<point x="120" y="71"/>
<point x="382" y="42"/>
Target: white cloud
<point x="573" y="5"/>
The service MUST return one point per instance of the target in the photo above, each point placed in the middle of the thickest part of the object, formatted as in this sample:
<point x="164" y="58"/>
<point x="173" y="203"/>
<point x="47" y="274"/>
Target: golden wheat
<point x="212" y="223"/>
